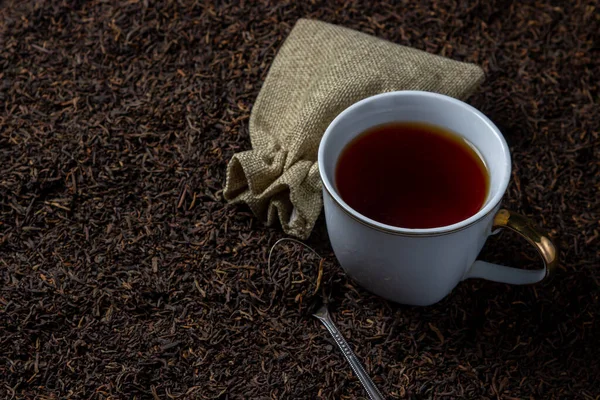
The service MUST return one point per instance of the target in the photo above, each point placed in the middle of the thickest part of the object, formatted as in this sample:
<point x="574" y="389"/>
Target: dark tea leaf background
<point x="124" y="274"/>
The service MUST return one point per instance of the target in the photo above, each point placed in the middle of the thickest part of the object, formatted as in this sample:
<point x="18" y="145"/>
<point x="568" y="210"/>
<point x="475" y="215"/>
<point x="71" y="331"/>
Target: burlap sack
<point x="320" y="70"/>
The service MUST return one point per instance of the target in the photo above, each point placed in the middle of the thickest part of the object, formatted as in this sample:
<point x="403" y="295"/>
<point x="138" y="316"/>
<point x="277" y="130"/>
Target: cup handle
<point x="515" y="276"/>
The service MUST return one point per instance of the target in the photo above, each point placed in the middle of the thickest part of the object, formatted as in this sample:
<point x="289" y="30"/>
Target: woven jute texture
<point x="320" y="70"/>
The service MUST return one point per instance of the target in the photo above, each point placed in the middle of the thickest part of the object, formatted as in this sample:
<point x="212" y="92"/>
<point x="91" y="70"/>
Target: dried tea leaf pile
<point x="125" y="275"/>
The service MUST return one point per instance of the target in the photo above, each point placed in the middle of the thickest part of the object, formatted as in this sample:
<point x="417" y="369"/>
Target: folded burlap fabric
<point x="320" y="70"/>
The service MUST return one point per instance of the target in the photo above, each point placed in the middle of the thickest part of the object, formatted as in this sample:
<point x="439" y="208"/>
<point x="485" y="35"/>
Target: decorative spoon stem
<point x="323" y="315"/>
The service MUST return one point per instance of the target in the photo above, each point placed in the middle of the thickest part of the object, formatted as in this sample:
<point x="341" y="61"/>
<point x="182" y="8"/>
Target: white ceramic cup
<point x="422" y="266"/>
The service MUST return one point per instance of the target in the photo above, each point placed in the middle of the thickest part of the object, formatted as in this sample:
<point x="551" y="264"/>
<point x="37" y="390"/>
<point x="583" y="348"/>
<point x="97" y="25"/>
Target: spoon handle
<point x="367" y="383"/>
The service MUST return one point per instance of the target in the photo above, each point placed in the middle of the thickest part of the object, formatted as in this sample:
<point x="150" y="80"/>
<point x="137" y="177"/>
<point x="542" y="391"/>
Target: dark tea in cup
<point x="412" y="175"/>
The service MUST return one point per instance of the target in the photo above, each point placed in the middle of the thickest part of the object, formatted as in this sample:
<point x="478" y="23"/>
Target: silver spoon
<point x="323" y="315"/>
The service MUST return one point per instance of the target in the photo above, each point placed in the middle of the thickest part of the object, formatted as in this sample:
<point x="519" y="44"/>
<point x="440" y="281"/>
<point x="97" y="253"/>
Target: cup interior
<point x="416" y="106"/>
